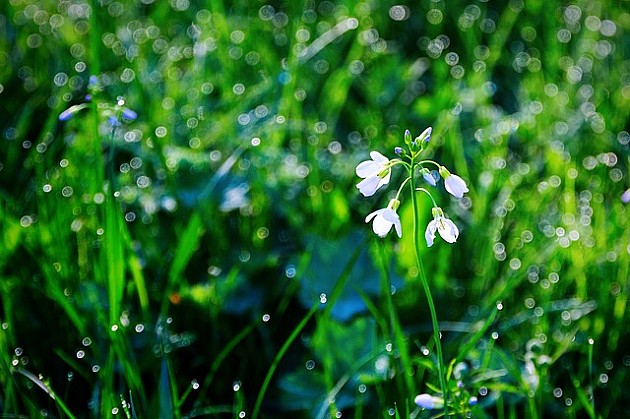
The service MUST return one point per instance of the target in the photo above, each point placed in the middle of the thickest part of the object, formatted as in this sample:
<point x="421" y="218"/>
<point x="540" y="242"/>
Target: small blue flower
<point x="129" y="114"/>
<point x="473" y="401"/>
<point x="398" y="150"/>
<point x="113" y="121"/>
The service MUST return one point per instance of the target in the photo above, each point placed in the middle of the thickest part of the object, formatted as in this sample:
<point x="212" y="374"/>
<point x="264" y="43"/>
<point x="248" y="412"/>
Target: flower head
<point x="453" y="183"/>
<point x="447" y="229"/>
<point x="375" y="173"/>
<point x="427" y="401"/>
<point x="385" y="218"/>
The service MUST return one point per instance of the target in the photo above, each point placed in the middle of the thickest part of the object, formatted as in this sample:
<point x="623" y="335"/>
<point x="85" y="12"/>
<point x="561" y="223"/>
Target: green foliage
<point x="208" y="255"/>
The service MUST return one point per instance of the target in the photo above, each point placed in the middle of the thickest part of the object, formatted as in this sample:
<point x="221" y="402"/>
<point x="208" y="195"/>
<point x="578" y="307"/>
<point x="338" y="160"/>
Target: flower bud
<point x="71" y="111"/>
<point x="425" y="137"/>
<point x="408" y="140"/>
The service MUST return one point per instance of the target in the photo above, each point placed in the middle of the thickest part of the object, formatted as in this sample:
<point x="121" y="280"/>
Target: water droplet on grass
<point x="236" y="385"/>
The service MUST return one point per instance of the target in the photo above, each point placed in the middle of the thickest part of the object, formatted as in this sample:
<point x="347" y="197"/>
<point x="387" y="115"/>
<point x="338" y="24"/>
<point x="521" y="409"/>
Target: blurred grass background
<point x="210" y="258"/>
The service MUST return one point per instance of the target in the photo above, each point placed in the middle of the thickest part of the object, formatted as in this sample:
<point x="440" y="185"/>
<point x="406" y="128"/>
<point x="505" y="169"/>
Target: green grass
<point x="210" y="257"/>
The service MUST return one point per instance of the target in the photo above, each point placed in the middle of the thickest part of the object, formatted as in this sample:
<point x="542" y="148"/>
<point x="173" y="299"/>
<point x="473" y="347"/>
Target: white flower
<point x="385" y="218"/>
<point x="375" y="173"/>
<point x="447" y="229"/>
<point x="427" y="401"/>
<point x="453" y="183"/>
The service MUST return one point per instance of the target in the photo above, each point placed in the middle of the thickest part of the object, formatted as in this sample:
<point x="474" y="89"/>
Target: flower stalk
<point x="376" y="173"/>
<point x="427" y="290"/>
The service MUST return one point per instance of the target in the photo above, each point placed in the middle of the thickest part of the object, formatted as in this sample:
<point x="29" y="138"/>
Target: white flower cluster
<point x="377" y="172"/>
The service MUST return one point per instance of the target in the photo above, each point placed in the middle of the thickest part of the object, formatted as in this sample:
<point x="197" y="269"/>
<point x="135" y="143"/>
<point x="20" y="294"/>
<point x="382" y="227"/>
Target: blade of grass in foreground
<point x="217" y="363"/>
<point x="397" y="331"/>
<point x="60" y="404"/>
<point x="279" y="356"/>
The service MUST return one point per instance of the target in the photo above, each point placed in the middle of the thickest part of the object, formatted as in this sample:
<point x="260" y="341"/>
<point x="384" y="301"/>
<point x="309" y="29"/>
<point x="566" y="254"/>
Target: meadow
<point x="182" y="235"/>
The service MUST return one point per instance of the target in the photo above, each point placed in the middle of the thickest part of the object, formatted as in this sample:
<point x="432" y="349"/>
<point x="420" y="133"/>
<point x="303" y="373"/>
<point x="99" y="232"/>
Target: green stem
<point x="276" y="360"/>
<point x="427" y="291"/>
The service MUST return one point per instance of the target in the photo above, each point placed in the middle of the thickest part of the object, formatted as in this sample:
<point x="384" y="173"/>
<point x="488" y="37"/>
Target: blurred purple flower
<point x="427" y="401"/>
<point x="129" y="114"/>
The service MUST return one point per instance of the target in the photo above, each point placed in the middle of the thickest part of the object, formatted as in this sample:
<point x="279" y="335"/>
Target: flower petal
<point x="368" y="168"/>
<point x="455" y="185"/>
<point x="398" y="228"/>
<point x="429" y="234"/>
<point x="368" y="186"/>
<point x="379" y="158"/>
<point x="428" y="176"/>
<point x="373" y="214"/>
<point x="381" y="225"/>
<point x="448" y="230"/>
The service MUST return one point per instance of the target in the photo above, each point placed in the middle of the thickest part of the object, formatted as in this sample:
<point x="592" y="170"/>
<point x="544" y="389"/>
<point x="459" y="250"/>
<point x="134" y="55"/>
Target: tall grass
<point x="210" y="256"/>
